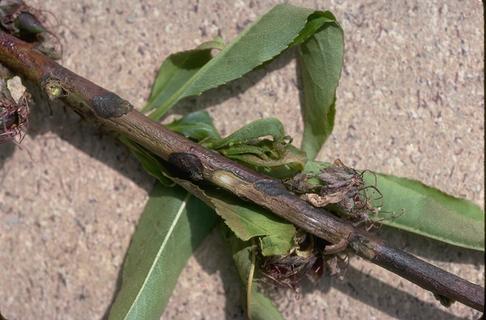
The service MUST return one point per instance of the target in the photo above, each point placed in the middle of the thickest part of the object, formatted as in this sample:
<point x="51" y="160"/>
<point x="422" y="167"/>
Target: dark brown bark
<point x="196" y="163"/>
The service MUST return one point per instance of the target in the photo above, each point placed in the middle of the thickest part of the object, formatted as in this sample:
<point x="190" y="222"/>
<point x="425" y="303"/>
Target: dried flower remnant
<point x="306" y="261"/>
<point x="13" y="120"/>
<point x="339" y="187"/>
<point x="288" y="271"/>
<point x="13" y="115"/>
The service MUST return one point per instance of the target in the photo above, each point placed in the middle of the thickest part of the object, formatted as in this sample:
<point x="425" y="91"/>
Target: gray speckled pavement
<point x="410" y="103"/>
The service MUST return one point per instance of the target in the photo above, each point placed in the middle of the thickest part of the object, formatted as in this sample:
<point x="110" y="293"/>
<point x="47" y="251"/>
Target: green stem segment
<point x="196" y="163"/>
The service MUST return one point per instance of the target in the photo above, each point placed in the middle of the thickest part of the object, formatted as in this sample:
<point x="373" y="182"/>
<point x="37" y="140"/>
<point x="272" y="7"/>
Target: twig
<point x="196" y="164"/>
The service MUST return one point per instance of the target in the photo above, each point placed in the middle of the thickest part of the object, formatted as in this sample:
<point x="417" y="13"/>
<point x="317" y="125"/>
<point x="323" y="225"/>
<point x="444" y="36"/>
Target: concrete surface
<point x="411" y="103"/>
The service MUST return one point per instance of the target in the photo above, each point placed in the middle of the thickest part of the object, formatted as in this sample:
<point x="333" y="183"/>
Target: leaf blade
<point x="320" y="60"/>
<point x="197" y="126"/>
<point x="247" y="221"/>
<point x="148" y="283"/>
<point x="430" y="212"/>
<point x="179" y="68"/>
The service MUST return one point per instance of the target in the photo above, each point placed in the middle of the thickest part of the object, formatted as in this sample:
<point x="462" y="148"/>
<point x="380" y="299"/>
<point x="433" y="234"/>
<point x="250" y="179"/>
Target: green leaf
<point x="250" y="146"/>
<point x="320" y="61"/>
<point x="289" y="163"/>
<point x="314" y="167"/>
<point x="261" y="308"/>
<point x="172" y="225"/>
<point x="197" y="126"/>
<point x="428" y="211"/>
<point x="274" y="32"/>
<point x="178" y="69"/>
<point x="247" y="221"/>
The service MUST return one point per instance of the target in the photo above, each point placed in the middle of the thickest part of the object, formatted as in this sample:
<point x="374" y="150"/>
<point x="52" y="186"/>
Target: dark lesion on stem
<point x="186" y="166"/>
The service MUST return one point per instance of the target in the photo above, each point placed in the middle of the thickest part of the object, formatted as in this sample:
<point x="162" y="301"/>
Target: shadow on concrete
<point x="429" y="248"/>
<point x="381" y="296"/>
<point x="6" y="150"/>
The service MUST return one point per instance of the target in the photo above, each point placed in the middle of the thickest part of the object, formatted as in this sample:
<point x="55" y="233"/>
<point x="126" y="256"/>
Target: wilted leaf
<point x="413" y="206"/>
<point x="320" y="62"/>
<point x="172" y="225"/>
<point x="289" y="162"/>
<point x="251" y="146"/>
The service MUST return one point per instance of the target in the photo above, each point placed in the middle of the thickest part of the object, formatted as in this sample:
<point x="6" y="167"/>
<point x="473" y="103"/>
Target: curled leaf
<point x="251" y="146"/>
<point x="268" y="127"/>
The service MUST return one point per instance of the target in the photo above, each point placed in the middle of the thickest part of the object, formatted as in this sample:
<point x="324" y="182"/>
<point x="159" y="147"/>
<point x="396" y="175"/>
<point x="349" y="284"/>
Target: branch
<point x="199" y="164"/>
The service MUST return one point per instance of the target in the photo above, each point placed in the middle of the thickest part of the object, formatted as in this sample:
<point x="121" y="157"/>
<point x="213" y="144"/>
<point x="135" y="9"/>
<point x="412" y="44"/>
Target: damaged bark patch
<point x="271" y="187"/>
<point x="186" y="166"/>
<point x="110" y="105"/>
